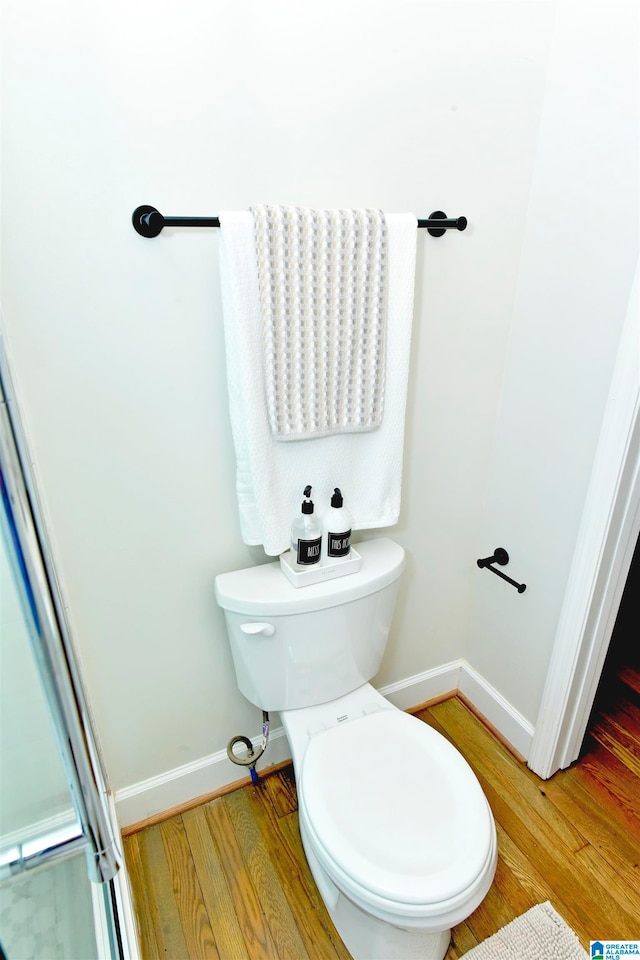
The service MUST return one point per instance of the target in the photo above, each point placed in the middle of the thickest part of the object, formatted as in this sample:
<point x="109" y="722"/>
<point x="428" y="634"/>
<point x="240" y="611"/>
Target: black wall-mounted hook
<point x="501" y="557"/>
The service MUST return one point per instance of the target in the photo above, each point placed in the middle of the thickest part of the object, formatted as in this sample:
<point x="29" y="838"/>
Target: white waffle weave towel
<point x="323" y="296"/>
<point x="367" y="466"/>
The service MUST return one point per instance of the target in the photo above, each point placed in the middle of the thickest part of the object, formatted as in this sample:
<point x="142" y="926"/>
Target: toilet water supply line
<point x="252" y="756"/>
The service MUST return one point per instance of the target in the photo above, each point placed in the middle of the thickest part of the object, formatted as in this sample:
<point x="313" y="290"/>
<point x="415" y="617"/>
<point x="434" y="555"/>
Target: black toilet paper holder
<point x="501" y="557"/>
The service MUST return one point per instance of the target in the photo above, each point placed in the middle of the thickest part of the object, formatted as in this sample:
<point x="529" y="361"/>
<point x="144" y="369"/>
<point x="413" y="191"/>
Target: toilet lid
<point x="396" y="807"/>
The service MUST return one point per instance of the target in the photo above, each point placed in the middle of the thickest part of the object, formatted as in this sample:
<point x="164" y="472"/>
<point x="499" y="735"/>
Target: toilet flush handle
<point x="266" y="629"/>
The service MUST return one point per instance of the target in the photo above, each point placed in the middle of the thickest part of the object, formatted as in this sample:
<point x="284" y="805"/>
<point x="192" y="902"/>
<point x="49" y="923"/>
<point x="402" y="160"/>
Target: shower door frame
<point x="53" y="653"/>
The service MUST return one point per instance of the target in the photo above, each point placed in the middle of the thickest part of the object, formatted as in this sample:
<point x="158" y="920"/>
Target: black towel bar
<point x="501" y="556"/>
<point x="148" y="222"/>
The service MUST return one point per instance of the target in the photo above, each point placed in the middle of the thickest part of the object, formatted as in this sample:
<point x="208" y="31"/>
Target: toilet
<point x="397" y="832"/>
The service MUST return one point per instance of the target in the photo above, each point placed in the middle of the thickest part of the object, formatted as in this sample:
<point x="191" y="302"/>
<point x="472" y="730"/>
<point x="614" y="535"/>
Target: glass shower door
<point x="58" y="852"/>
<point x="44" y="912"/>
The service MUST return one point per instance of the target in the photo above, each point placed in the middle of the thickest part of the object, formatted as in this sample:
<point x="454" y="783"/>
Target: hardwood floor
<point x="229" y="879"/>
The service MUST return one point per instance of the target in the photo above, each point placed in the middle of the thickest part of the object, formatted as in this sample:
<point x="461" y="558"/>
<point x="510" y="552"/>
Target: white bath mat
<point x="539" y="934"/>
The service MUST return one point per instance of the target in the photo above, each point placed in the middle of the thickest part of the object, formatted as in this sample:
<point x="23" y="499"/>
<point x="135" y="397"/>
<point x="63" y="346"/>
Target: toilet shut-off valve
<point x="252" y="755"/>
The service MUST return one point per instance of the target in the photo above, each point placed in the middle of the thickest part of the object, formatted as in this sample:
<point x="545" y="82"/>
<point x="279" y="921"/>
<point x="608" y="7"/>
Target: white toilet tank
<point x="298" y="646"/>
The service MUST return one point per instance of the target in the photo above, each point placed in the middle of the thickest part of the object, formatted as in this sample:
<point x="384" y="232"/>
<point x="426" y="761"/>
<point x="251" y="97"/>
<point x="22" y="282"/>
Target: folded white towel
<point x="272" y="475"/>
<point x="323" y="293"/>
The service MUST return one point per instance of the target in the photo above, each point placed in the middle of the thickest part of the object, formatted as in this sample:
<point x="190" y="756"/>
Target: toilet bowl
<point x="397" y="832"/>
<point x="395" y="826"/>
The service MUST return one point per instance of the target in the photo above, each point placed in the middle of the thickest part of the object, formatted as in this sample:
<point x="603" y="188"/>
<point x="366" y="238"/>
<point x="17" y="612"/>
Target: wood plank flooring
<point x="229" y="879"/>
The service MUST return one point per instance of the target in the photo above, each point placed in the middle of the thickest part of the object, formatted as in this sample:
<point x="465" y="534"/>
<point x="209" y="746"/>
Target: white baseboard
<point x="415" y="690"/>
<point x="460" y="675"/>
<point x="150" y="797"/>
<point x="510" y="724"/>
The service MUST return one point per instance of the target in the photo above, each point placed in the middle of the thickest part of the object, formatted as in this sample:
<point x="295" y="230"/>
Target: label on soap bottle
<point x="309" y="551"/>
<point x="339" y="544"/>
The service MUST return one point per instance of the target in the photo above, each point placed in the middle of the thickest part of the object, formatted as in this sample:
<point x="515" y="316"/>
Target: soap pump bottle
<point x="336" y="530"/>
<point x="306" y="536"/>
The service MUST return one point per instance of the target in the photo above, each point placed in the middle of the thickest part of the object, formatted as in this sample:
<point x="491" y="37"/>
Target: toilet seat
<point x="396" y="816"/>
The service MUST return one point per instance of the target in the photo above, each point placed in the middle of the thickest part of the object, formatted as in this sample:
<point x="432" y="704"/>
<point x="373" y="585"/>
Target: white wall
<point x="578" y="259"/>
<point x="117" y="340"/>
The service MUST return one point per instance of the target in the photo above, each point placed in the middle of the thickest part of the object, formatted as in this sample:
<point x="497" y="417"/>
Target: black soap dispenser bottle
<point x="306" y="536"/>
